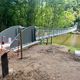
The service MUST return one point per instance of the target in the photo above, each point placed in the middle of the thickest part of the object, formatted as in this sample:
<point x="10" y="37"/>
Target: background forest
<point x="41" y="13"/>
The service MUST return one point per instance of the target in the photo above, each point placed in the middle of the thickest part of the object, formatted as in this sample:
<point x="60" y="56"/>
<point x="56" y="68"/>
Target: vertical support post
<point x="47" y="41"/>
<point x="18" y="47"/>
<point x="4" y="61"/>
<point x="18" y="42"/>
<point x="33" y="34"/>
<point x="21" y="43"/>
<point x="51" y="40"/>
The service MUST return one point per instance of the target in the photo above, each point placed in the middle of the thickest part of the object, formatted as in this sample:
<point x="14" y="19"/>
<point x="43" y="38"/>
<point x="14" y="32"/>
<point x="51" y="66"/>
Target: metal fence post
<point x="51" y="40"/>
<point x="21" y="43"/>
<point x="33" y="34"/>
<point x="47" y="41"/>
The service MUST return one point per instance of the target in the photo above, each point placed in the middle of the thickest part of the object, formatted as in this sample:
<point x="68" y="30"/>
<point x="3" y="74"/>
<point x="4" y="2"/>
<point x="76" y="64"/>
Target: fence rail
<point x="11" y="36"/>
<point x="46" y="33"/>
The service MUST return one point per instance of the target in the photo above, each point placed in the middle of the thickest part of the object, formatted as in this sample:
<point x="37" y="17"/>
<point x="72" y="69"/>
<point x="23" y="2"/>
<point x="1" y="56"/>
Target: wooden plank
<point x="4" y="61"/>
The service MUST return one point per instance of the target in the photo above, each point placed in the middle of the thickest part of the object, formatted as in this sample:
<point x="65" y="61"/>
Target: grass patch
<point x="71" y="48"/>
<point x="70" y="41"/>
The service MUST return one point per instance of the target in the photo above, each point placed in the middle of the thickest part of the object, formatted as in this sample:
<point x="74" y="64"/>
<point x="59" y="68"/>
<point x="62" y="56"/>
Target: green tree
<point x="44" y="13"/>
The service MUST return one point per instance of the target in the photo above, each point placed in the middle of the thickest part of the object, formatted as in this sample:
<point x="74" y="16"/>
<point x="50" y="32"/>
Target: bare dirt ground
<point x="42" y="62"/>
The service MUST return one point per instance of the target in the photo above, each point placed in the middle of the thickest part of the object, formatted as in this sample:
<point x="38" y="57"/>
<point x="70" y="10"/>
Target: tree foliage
<point x="43" y="13"/>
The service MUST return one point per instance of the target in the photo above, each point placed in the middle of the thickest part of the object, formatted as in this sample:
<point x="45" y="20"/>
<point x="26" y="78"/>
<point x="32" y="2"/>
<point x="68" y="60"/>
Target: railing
<point x="46" y="33"/>
<point x="27" y="37"/>
<point x="28" y="34"/>
<point x="11" y="32"/>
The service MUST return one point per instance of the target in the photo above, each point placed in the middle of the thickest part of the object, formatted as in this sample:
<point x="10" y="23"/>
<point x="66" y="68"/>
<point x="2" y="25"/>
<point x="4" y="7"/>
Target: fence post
<point x="21" y="43"/>
<point x="33" y="34"/>
<point x="4" y="61"/>
<point x="47" y="41"/>
<point x="51" y="40"/>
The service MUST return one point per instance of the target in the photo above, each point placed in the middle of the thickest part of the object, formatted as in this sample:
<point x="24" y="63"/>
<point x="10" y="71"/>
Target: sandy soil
<point x="44" y="63"/>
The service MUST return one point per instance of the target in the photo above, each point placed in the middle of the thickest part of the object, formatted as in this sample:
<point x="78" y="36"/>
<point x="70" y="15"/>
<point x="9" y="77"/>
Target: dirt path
<point x="44" y="63"/>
